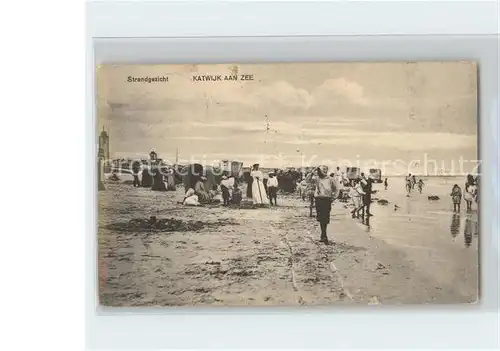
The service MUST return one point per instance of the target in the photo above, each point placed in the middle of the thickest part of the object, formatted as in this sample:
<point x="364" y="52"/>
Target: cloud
<point x="253" y="94"/>
<point x="340" y="87"/>
<point x="286" y="94"/>
<point x="400" y="141"/>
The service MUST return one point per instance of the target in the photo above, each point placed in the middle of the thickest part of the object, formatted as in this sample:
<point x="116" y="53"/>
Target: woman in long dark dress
<point x="147" y="179"/>
<point x="249" y="187"/>
<point x="158" y="183"/>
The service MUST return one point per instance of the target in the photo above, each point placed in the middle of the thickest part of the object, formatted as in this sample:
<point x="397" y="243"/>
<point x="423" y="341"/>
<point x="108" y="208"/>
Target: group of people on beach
<point x="411" y="182"/>
<point x="226" y="193"/>
<point x="470" y="195"/>
<point x="318" y="187"/>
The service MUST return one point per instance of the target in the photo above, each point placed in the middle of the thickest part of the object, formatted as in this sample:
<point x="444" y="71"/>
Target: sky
<point x="293" y="114"/>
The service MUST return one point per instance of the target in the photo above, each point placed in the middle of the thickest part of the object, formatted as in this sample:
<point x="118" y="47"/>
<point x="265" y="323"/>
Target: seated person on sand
<point x="215" y="194"/>
<point x="191" y="199"/>
<point x="199" y="188"/>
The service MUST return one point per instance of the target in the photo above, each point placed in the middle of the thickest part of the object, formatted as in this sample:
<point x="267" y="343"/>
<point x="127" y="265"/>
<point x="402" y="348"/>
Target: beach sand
<point x="271" y="256"/>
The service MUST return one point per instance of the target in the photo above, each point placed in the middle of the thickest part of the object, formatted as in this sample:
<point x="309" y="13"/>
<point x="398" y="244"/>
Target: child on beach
<point x="356" y="192"/>
<point x="456" y="196"/>
<point x="311" y="181"/>
<point x="236" y="196"/>
<point x="470" y="191"/>
<point x="272" y="187"/>
<point x="302" y="189"/>
<point x="224" y="187"/>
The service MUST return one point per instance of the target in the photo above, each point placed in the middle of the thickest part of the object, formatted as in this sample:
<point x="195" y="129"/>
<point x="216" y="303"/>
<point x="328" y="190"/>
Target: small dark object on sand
<point x="165" y="225"/>
<point x="433" y="197"/>
<point x="246" y="204"/>
<point x="383" y="202"/>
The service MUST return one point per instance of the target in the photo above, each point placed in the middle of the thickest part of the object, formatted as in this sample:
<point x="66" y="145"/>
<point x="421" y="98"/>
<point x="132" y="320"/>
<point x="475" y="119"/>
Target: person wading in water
<point x="324" y="193"/>
<point x="470" y="192"/>
<point x="420" y="185"/>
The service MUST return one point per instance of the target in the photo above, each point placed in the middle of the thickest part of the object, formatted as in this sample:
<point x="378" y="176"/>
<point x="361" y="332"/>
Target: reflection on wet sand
<point x="455" y="225"/>
<point x="470" y="228"/>
<point x="366" y="221"/>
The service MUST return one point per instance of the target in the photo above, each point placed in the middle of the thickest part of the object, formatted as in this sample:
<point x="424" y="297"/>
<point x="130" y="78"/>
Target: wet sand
<point x="271" y="256"/>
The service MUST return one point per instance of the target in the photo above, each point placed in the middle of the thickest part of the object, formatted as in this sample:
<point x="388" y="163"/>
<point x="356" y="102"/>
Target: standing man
<point x="366" y="184"/>
<point x="325" y="192"/>
<point x="272" y="187"/>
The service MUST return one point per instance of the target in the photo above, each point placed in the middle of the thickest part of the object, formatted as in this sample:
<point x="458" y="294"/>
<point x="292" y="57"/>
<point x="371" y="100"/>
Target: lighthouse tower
<point x="104" y="144"/>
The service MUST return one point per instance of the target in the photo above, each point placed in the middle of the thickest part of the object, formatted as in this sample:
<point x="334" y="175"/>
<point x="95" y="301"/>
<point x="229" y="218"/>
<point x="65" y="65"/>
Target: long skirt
<point x="323" y="209"/>
<point x="259" y="195"/>
<point x="249" y="188"/>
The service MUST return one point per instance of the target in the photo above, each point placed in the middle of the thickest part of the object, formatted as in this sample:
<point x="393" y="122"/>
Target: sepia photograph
<point x="288" y="184"/>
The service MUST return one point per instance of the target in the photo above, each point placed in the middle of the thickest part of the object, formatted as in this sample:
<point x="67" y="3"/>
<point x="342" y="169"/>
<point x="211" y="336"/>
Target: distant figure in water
<point x="385" y="184"/>
<point x="413" y="182"/>
<point x="408" y="185"/>
<point x="356" y="194"/>
<point x="470" y="191"/>
<point x="456" y="196"/>
<point x="420" y="185"/>
<point x="366" y="184"/>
